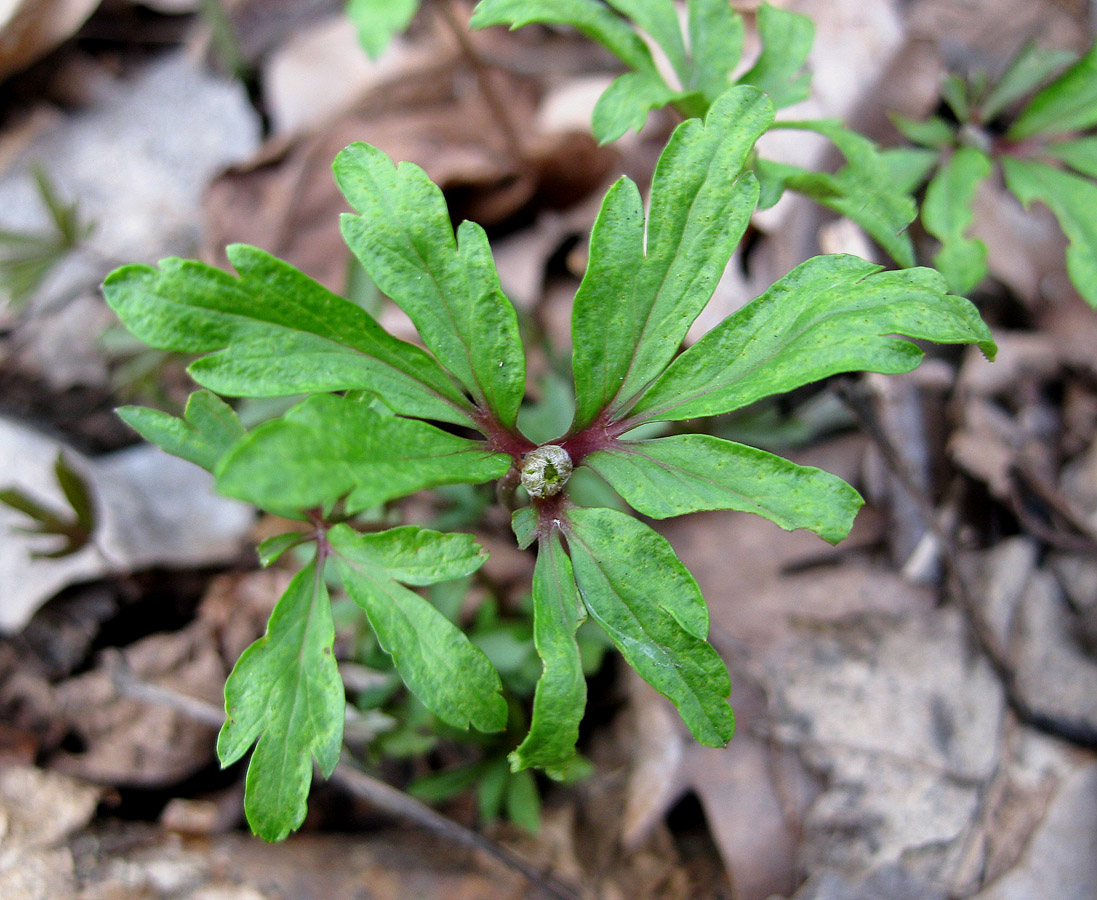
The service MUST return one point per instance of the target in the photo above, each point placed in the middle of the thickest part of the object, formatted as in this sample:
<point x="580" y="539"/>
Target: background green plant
<point x="1034" y="127"/>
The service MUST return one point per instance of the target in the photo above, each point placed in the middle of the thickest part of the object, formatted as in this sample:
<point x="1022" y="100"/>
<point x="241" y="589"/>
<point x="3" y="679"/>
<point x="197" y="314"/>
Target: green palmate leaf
<point x="1080" y="154"/>
<point x="672" y="476"/>
<point x="638" y="297"/>
<point x="208" y="429"/>
<point x="1068" y="104"/>
<point x="285" y="692"/>
<point x="947" y="215"/>
<point x="379" y="21"/>
<point x="590" y="17"/>
<point x="437" y="662"/>
<point x="863" y="191"/>
<point x="449" y="288"/>
<point x="660" y="20"/>
<point x="715" y="44"/>
<point x="638" y="591"/>
<point x="830" y="314"/>
<point x="1073" y="200"/>
<point x="1026" y="70"/>
<point x="328" y="447"/>
<point x="275" y="332"/>
<point x="561" y="693"/>
<point x="625" y="104"/>
<point x="786" y="42"/>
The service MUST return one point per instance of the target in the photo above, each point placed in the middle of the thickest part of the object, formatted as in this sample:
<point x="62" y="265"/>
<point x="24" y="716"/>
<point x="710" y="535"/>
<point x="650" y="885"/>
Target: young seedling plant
<point x="1036" y="124"/>
<point x="383" y="418"/>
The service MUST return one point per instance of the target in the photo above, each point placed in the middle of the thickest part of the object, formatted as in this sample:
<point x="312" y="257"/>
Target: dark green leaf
<point x="625" y="104"/>
<point x="831" y="314"/>
<point x="638" y="591"/>
<point x="863" y="191"/>
<point x="1080" y="154"/>
<point x="561" y="694"/>
<point x="660" y="20"/>
<point x="75" y="488"/>
<point x="909" y="167"/>
<point x="947" y="215"/>
<point x="1026" y="70"/>
<point x="786" y="42"/>
<point x="449" y="675"/>
<point x="933" y="132"/>
<point x="329" y="447"/>
<point x="954" y="90"/>
<point x="208" y="429"/>
<point x="449" y="288"/>
<point x="285" y="692"/>
<point x="271" y="550"/>
<point x="379" y="21"/>
<point x="673" y="476"/>
<point x="279" y="333"/>
<point x="638" y="298"/>
<point x="1073" y="200"/>
<point x="1068" y="104"/>
<point x="523" y="802"/>
<point x="589" y="17"/>
<point x="524" y="523"/>
<point x="715" y="45"/>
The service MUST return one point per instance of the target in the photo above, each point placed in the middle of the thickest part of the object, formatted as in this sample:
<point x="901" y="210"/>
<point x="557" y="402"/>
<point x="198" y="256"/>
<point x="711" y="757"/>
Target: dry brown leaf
<point x="133" y="743"/>
<point x="29" y="29"/>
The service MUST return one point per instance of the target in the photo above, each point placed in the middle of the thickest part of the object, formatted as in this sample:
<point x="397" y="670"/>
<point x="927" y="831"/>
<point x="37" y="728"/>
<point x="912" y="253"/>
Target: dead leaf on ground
<point x="29" y="29"/>
<point x="38" y="811"/>
<point x="132" y="743"/>
<point x="285" y="199"/>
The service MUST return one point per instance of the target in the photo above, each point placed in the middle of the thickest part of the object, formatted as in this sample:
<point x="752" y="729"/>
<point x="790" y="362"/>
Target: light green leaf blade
<point x="1080" y="154"/>
<point x="625" y="104"/>
<point x="561" y="693"/>
<point x="673" y="476"/>
<point x="379" y="21"/>
<point x="524" y="524"/>
<point x="786" y="42"/>
<point x="660" y="20"/>
<point x="1026" y="70"/>
<point x="716" y="45"/>
<point x="909" y="167"/>
<point x="449" y="288"/>
<point x="330" y="447"/>
<point x="413" y="555"/>
<point x="206" y="432"/>
<point x="588" y="17"/>
<point x="274" y="332"/>
<point x="285" y="692"/>
<point x="830" y="314"/>
<point x="933" y="132"/>
<point x="638" y="591"/>
<point x="634" y="307"/>
<point x="863" y="191"/>
<point x="1068" y="104"/>
<point x="1073" y="200"/>
<point x="438" y="663"/>
<point x="947" y="215"/>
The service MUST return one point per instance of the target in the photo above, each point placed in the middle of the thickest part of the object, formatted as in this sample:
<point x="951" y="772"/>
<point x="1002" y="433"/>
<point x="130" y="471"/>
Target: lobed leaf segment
<point x="703" y="55"/>
<point x="384" y="418"/>
<point x="1036" y="125"/>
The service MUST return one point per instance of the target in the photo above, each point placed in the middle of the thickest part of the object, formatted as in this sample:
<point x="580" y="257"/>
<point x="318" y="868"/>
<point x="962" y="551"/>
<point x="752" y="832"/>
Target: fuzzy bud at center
<point x="546" y="470"/>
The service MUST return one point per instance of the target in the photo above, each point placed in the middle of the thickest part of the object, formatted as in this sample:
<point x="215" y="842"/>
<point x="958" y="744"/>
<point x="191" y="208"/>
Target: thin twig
<point x="374" y="791"/>
<point x="985" y="637"/>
